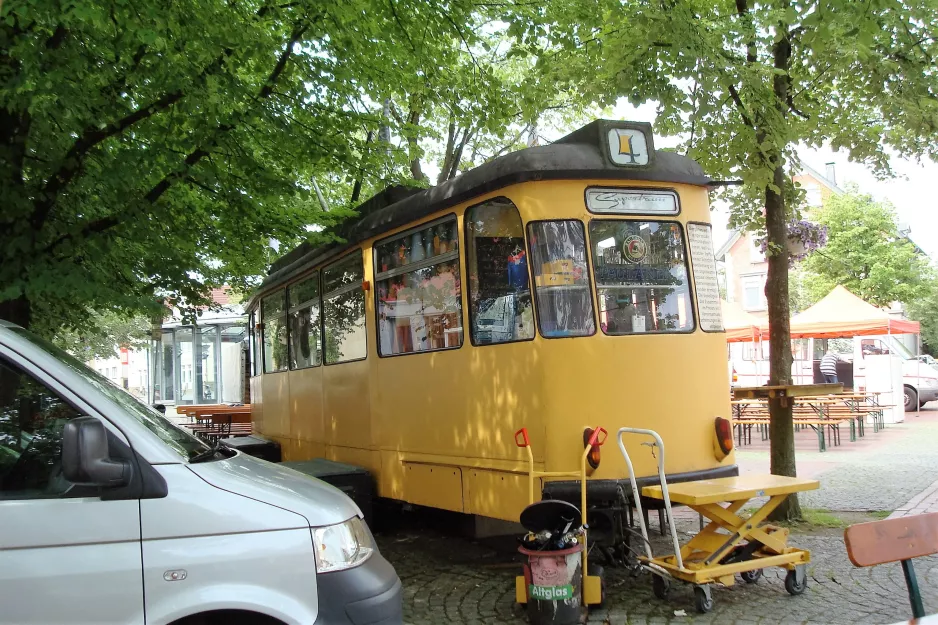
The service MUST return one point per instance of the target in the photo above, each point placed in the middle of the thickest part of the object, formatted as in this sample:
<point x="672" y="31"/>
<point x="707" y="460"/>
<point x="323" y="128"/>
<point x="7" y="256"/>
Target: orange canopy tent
<point x="843" y="314"/>
<point x="740" y="325"/>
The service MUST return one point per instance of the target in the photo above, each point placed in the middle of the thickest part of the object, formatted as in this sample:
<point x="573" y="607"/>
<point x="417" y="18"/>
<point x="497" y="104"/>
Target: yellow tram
<point x="554" y="288"/>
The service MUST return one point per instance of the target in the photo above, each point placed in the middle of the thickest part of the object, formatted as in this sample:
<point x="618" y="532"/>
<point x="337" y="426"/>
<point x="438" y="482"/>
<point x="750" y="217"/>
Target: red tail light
<point x="735" y="377"/>
<point x="724" y="435"/>
<point x="594" y="440"/>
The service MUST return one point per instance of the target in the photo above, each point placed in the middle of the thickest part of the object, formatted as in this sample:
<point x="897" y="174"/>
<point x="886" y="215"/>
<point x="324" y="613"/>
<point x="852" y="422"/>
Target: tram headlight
<point x="723" y="439"/>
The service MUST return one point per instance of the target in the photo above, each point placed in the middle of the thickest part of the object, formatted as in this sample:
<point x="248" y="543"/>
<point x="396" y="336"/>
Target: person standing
<point x="829" y="366"/>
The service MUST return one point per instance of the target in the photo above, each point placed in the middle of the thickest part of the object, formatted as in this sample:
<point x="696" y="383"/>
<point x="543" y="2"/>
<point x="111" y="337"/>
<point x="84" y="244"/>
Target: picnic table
<point x="214" y="421"/>
<point x="821" y="412"/>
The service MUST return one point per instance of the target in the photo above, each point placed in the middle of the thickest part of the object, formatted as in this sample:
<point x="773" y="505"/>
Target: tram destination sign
<point x="632" y="201"/>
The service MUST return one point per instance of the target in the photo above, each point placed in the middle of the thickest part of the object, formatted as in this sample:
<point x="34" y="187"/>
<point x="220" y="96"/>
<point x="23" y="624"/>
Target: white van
<point x="109" y="513"/>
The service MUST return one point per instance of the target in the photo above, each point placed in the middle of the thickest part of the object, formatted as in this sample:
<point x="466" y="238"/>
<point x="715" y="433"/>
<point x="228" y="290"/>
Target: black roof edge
<point x="577" y="156"/>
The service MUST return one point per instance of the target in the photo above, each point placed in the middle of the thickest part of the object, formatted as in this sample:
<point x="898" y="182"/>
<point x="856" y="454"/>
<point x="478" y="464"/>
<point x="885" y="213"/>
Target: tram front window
<point x="561" y="278"/>
<point x="641" y="277"/>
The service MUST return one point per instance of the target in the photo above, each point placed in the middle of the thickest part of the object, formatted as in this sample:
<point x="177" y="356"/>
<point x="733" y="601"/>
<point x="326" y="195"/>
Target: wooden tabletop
<point x="205" y="410"/>
<point x="787" y="390"/>
<point x="742" y="487"/>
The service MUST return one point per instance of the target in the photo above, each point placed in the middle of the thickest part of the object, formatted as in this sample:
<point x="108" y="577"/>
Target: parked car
<point x="110" y="513"/>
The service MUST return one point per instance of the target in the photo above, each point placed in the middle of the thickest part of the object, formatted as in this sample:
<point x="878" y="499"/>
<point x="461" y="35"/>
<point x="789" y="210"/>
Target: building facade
<point x="744" y="265"/>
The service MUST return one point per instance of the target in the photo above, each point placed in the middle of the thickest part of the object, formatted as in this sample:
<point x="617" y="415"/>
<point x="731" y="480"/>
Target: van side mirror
<point x="85" y="457"/>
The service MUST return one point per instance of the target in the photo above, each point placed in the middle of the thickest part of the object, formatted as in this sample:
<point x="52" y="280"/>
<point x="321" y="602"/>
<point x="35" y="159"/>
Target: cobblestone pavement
<point x="880" y="472"/>
<point x="451" y="579"/>
<point x="454" y="580"/>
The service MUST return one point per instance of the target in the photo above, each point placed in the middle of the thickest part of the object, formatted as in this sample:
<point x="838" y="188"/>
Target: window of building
<point x="756" y="255"/>
<point x="232" y="351"/>
<point x="418" y="290"/>
<point x="274" y="332"/>
<point x="500" y="309"/>
<point x="32" y="419"/>
<point x="561" y="278"/>
<point x="641" y="277"/>
<point x="344" y="310"/>
<point x="305" y="346"/>
<point x="754" y="293"/>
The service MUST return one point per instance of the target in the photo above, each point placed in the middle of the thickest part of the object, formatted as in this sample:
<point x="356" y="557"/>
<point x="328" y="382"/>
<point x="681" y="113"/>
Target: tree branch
<point x="742" y="108"/>
<point x="156" y="192"/>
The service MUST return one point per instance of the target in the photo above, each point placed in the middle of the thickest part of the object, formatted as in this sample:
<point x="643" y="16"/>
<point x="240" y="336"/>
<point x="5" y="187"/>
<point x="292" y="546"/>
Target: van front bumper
<point x="368" y="594"/>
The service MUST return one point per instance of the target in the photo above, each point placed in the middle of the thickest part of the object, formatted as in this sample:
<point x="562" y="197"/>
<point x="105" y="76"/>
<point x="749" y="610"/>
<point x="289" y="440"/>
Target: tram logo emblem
<point x="634" y="249"/>
<point x="627" y="146"/>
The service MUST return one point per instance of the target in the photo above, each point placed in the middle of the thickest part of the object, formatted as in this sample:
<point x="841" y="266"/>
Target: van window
<point x="305" y="347"/>
<point x="418" y="290"/>
<point x="561" y="278"/>
<point x="641" y="277"/>
<point x="32" y="418"/>
<point x="344" y="310"/>
<point x="500" y="309"/>
<point x="274" y="331"/>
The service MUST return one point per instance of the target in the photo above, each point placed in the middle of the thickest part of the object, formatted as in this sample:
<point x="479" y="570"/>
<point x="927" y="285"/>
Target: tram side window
<point x="500" y="308"/>
<point x="419" y="294"/>
<point x="305" y="348"/>
<point x="641" y="277"/>
<point x="344" y="310"/>
<point x="274" y="332"/>
<point x="561" y="278"/>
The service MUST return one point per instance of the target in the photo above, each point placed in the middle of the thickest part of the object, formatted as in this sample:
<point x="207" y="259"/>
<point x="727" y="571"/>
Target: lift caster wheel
<point x="660" y="586"/>
<point x="703" y="600"/>
<point x="751" y="577"/>
<point x="796" y="581"/>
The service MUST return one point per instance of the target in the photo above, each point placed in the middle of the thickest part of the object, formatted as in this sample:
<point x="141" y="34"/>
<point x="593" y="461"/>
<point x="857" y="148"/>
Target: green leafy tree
<point x="152" y="149"/>
<point x="103" y="334"/>
<point x="743" y="82"/>
<point x="924" y="309"/>
<point x="865" y="253"/>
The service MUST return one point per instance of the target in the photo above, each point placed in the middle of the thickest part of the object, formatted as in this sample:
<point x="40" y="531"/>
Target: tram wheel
<point x="703" y="600"/>
<point x="793" y="586"/>
<point x="660" y="586"/>
<point x="751" y="577"/>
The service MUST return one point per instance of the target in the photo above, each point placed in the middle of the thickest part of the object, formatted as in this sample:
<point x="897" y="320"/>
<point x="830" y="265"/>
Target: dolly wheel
<point x="796" y="581"/>
<point x="703" y="600"/>
<point x="751" y="577"/>
<point x="660" y="586"/>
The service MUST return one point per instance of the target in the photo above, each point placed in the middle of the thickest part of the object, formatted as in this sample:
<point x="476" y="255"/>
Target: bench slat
<point x="892" y="540"/>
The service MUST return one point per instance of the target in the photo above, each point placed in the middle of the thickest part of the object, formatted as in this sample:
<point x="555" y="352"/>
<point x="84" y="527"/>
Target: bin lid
<point x="552" y="515"/>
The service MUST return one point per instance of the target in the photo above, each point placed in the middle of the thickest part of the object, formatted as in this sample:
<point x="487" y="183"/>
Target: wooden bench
<point x="895" y="540"/>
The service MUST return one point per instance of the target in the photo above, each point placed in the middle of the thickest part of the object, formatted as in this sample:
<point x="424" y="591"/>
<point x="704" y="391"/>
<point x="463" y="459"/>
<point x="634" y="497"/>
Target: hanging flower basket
<point x="804" y="237"/>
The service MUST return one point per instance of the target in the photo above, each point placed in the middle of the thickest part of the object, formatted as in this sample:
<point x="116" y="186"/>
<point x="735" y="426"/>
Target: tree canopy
<point x="152" y="149"/>
<point x="865" y="253"/>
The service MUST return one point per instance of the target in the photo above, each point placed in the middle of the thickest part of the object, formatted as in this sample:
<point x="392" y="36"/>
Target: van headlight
<point x="341" y="546"/>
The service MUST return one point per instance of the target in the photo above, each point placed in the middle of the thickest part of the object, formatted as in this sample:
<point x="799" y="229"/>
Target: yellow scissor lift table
<point x="730" y="543"/>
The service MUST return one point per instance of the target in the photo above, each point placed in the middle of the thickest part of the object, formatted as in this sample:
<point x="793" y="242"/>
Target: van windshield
<point x="178" y="439"/>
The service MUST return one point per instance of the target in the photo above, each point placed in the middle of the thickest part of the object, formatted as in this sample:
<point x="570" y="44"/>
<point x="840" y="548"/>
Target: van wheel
<point x="911" y="399"/>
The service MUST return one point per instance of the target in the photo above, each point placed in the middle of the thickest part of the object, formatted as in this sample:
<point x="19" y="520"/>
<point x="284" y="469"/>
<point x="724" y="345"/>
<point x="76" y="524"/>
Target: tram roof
<point x="577" y="156"/>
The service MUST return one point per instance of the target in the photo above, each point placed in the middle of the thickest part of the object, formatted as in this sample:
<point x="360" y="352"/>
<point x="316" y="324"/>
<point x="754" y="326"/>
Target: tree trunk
<point x="781" y="428"/>
<point x="18" y="311"/>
